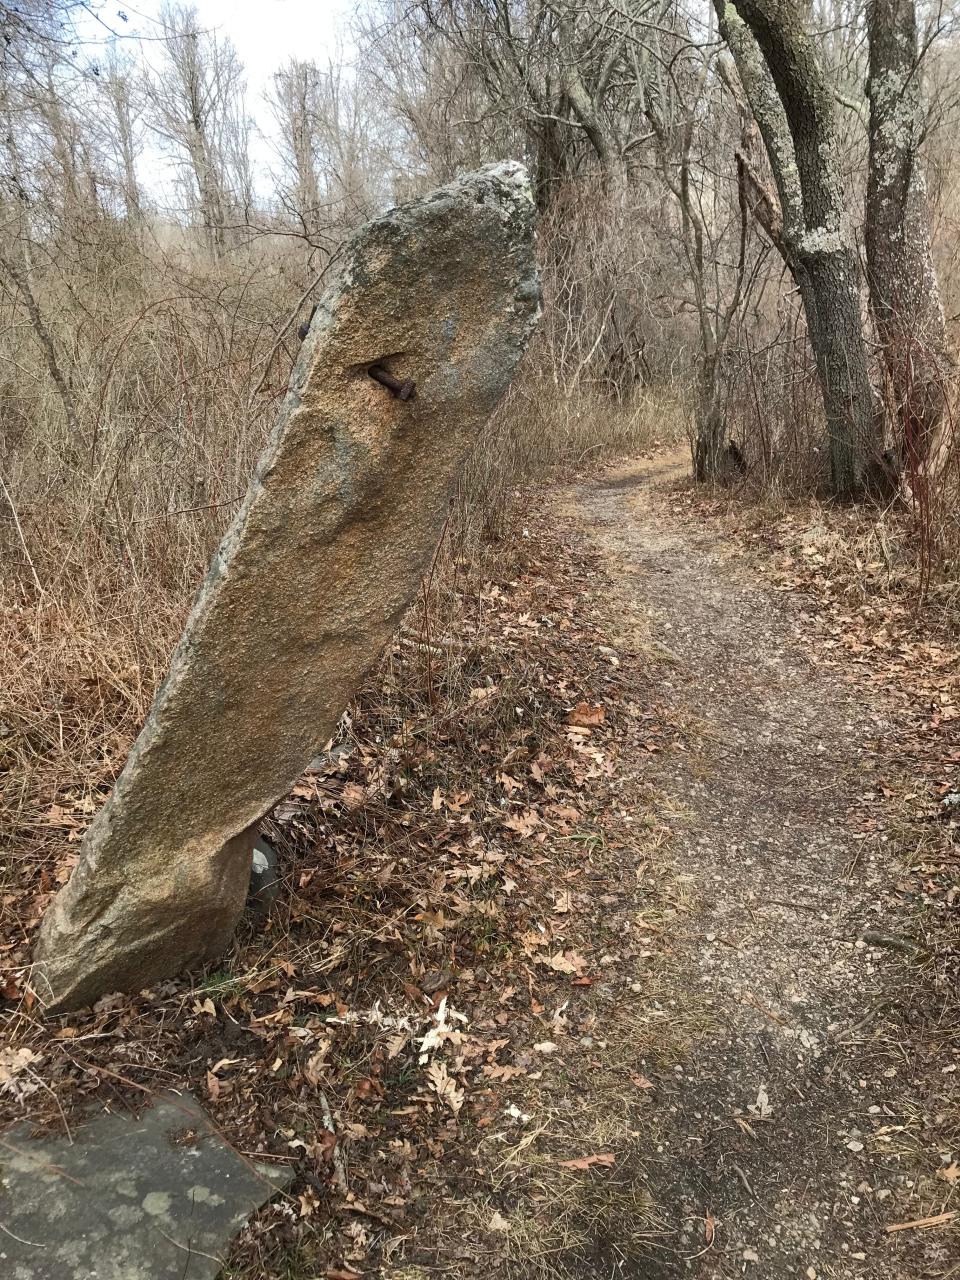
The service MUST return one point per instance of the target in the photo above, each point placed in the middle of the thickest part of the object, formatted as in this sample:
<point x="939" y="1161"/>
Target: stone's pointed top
<point x="505" y="183"/>
<point x="339" y="523"/>
<point x="508" y="177"/>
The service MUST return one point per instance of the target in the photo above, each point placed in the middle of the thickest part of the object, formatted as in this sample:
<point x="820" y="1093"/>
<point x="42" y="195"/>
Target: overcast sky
<point x="265" y="34"/>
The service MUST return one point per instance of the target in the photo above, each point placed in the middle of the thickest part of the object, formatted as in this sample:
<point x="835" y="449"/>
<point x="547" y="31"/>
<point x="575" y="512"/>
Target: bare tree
<point x="793" y="103"/>
<point x="545" y="75"/>
<point x="904" y="291"/>
<point x="44" y="160"/>
<point x="677" y="84"/>
<point x="196" y="108"/>
<point x="293" y="104"/>
<point x="120" y="136"/>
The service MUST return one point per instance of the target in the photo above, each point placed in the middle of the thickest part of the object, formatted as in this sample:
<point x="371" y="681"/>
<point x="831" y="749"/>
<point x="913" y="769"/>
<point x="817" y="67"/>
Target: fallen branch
<point x="938" y="1220"/>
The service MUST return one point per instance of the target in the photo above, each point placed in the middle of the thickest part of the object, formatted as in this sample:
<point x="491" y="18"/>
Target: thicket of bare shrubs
<point x="143" y="350"/>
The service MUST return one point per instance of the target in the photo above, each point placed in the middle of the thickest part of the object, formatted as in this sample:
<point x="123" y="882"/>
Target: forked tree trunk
<point x="788" y="94"/>
<point x="904" y="294"/>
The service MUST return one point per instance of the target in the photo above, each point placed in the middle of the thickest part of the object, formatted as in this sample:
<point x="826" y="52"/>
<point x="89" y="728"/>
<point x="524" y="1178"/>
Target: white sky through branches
<point x="265" y="33"/>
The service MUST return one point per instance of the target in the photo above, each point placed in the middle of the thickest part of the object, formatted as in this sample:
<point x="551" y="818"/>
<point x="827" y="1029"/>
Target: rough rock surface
<point x="309" y="583"/>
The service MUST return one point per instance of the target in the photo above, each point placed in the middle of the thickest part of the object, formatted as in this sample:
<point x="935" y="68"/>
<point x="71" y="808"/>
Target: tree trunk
<point x="20" y="278"/>
<point x="711" y="427"/>
<point x="584" y="107"/>
<point x="904" y="294"/>
<point x="789" y="96"/>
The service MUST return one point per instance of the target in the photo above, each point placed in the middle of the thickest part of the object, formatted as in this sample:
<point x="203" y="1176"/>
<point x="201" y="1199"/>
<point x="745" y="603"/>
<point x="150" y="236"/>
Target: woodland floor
<point x="817" y="1106"/>
<point x="635" y="958"/>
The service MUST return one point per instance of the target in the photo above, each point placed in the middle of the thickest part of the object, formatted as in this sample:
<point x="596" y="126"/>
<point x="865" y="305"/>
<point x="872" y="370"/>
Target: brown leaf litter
<point x="576" y="971"/>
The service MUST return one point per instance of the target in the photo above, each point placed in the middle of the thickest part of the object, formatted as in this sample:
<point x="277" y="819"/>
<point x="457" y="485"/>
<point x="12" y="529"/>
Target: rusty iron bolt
<point x="402" y="390"/>
<point x="305" y="327"/>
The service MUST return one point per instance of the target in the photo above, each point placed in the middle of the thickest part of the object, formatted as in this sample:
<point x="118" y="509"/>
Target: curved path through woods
<point x="794" y="1133"/>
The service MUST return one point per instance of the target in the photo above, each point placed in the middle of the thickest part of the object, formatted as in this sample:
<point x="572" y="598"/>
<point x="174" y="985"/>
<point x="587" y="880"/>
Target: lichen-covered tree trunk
<point x="904" y="293"/>
<point x="787" y="90"/>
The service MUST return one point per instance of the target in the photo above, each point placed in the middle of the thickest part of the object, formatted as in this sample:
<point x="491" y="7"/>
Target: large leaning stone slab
<point x="309" y="584"/>
<point x="159" y="1198"/>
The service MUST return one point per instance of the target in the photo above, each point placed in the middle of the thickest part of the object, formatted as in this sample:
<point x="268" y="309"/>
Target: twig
<point x="938" y="1220"/>
<point x="39" y="1161"/>
<point x="743" y="1178"/>
<point x="889" y="940"/>
<point x="186" y="511"/>
<point x="878" y="1008"/>
<point x="763" y="1047"/>
<point x="289" y="321"/>
<point x="34" y="1244"/>
<point x="189" y="1249"/>
<point x="23" y="540"/>
<point x="751" y="999"/>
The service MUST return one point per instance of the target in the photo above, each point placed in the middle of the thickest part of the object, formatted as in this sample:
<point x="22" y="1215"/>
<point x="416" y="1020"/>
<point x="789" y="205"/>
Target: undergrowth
<point x="387" y="1032"/>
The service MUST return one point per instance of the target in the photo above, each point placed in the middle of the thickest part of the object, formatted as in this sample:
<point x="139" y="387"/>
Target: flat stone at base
<point x="157" y="1198"/>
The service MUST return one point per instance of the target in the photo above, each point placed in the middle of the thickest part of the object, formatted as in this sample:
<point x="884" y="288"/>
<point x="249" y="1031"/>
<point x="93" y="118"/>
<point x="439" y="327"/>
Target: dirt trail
<point x="793" y="1134"/>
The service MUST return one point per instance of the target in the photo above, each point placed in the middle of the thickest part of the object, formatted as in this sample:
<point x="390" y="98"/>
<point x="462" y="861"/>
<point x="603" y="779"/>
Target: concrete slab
<point x="158" y="1198"/>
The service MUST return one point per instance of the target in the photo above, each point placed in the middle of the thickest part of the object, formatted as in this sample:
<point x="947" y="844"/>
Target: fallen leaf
<point x="496" y="1072"/>
<point x="762" y="1108"/>
<point x="585" y="716"/>
<point x="523" y="823"/>
<point x="223" y="1064"/>
<point x="314" y="1067"/>
<point x="445" y="1087"/>
<point x="605" y="1158"/>
<point x="565" y="962"/>
<point x="396" y="1043"/>
<point x="951" y="1173"/>
<point x="13" y="1064"/>
<point x="353" y="796"/>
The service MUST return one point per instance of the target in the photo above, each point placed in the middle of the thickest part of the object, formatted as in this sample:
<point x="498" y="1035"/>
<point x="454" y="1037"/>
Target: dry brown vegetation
<point x="460" y="866"/>
<point x="144" y="352"/>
